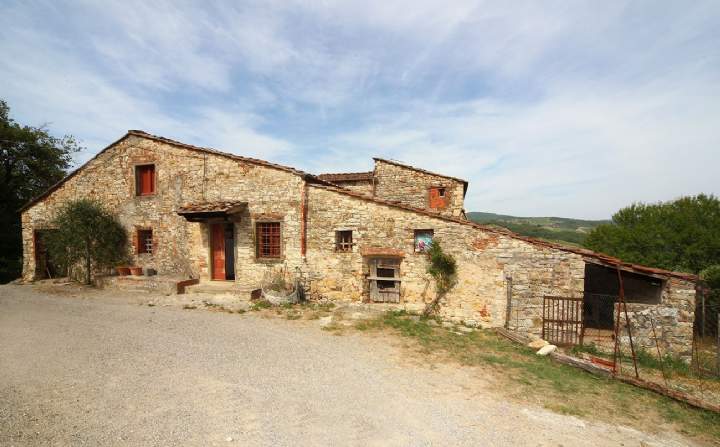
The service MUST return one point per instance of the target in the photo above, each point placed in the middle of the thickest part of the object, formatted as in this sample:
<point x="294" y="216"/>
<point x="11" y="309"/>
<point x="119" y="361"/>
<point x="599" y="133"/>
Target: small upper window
<point x="441" y="192"/>
<point x="145" y="241"/>
<point x="343" y="240"/>
<point x="423" y="240"/>
<point x="145" y="180"/>
<point x="268" y="239"/>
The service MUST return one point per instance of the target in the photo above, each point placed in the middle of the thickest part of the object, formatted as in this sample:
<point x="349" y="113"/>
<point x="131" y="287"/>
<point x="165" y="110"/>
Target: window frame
<point x="344" y="247"/>
<point x="138" y="180"/>
<point x="258" y="240"/>
<point x="141" y="247"/>
<point x="417" y="232"/>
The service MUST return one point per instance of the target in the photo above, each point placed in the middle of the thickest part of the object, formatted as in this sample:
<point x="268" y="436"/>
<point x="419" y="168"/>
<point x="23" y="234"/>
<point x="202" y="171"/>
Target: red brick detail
<point x="482" y="243"/>
<point x="438" y="197"/>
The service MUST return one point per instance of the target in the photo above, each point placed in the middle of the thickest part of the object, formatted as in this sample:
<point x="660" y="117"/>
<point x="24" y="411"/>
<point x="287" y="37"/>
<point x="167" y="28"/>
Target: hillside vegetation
<point x="559" y="229"/>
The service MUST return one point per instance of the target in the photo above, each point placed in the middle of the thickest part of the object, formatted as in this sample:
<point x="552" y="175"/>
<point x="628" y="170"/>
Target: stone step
<point x="227" y="288"/>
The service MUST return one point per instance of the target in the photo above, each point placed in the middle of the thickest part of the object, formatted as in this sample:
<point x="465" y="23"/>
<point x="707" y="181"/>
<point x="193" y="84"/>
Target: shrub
<point x="443" y="269"/>
<point x="87" y="236"/>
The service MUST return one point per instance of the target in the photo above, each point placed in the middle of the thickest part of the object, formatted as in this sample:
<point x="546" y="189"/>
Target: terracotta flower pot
<point x="123" y="271"/>
<point x="136" y="271"/>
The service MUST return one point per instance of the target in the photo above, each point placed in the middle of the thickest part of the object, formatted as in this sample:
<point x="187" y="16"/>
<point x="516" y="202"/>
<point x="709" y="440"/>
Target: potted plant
<point x="278" y="287"/>
<point x="136" y="271"/>
<point x="122" y="270"/>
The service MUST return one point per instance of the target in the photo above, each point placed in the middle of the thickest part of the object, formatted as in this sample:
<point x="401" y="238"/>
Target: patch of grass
<point x="260" y="304"/>
<point x="561" y="388"/>
<point x="567" y="410"/>
<point x="671" y="365"/>
<point x="189" y="306"/>
<point x="333" y="328"/>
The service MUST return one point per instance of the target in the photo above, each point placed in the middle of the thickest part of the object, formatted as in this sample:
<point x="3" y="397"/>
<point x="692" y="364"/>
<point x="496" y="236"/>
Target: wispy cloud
<point x="556" y="108"/>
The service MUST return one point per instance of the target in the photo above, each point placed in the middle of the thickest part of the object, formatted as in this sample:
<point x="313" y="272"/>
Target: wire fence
<point x="636" y="341"/>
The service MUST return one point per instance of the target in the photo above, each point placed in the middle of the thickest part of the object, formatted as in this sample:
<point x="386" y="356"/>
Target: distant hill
<point x="559" y="229"/>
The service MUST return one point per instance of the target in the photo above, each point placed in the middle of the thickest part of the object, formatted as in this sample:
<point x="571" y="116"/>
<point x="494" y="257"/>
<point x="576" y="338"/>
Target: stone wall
<point x="359" y="186"/>
<point x="673" y="319"/>
<point x="673" y="316"/>
<point x="183" y="176"/>
<point x="484" y="258"/>
<point x="491" y="264"/>
<point x="411" y="187"/>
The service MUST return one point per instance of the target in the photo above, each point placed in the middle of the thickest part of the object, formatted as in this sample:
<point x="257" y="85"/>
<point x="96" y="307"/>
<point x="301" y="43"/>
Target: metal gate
<point x="562" y="320"/>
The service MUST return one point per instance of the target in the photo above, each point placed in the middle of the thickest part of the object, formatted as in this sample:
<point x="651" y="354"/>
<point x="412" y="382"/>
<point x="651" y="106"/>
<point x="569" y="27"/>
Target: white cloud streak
<point x="559" y="108"/>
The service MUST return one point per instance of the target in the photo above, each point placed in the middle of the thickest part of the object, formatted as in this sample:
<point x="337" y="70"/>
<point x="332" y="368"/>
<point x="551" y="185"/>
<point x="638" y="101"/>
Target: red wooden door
<point x="217" y="251"/>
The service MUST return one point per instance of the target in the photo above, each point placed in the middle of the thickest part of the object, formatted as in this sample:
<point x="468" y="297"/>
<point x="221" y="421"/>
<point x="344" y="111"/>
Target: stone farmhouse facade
<point x="199" y="213"/>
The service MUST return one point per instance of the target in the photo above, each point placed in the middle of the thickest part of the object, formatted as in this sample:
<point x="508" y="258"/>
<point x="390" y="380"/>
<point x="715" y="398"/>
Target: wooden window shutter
<point x="145" y="180"/>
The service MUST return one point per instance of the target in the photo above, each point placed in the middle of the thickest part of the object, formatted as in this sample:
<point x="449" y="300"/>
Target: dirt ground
<point x="86" y="367"/>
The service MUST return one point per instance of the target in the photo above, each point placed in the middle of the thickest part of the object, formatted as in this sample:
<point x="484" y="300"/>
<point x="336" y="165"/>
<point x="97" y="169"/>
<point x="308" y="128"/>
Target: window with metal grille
<point x="268" y="239"/>
<point x="145" y="180"/>
<point x="145" y="241"/>
<point x="343" y="240"/>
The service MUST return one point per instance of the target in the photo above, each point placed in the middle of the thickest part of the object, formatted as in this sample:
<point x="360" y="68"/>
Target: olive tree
<point x="87" y="236"/>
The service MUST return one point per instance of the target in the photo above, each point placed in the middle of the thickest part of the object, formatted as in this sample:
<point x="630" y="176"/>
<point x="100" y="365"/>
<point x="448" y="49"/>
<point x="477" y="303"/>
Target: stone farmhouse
<point x="197" y="214"/>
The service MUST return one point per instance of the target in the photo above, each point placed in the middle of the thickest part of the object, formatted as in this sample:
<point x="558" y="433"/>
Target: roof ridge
<point x="142" y="133"/>
<point x="425" y="171"/>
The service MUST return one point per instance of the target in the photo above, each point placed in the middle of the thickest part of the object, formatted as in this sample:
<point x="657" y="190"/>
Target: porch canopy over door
<point x="203" y="211"/>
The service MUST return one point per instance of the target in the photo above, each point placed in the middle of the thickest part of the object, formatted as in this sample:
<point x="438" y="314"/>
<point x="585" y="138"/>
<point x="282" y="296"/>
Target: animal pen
<point x="620" y="325"/>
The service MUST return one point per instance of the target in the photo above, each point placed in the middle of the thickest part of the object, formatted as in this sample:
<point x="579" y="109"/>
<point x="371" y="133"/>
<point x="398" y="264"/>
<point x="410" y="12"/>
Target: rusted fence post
<point x="657" y="345"/>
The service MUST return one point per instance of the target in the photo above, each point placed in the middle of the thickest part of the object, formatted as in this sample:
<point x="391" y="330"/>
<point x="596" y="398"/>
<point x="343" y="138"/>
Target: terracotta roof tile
<point x="211" y="207"/>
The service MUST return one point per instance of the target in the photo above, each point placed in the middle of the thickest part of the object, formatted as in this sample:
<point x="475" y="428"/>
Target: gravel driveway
<point x="94" y="369"/>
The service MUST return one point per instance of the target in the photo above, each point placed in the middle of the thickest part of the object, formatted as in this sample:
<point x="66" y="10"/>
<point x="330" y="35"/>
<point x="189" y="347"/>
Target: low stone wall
<point x="157" y="284"/>
<point x="673" y="318"/>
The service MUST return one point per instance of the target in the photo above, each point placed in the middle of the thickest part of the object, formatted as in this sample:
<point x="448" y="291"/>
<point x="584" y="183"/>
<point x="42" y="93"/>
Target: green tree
<point x="31" y="160"/>
<point x="682" y="235"/>
<point x="88" y="237"/>
<point x="443" y="269"/>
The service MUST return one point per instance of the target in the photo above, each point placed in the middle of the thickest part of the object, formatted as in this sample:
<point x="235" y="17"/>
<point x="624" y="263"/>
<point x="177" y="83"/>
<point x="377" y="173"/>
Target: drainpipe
<point x="303" y="220"/>
<point x="508" y="307"/>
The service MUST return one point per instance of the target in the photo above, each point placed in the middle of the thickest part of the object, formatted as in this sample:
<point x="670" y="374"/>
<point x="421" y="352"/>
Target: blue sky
<point x="548" y="108"/>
